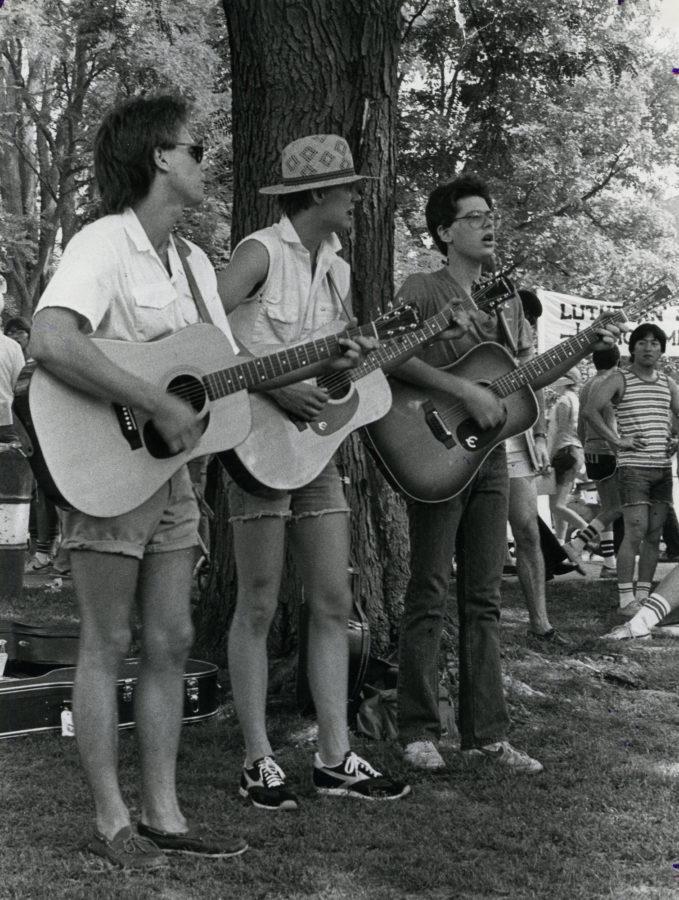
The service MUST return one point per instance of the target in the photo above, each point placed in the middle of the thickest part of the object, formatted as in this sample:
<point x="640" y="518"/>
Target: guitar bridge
<point x="436" y="425"/>
<point x="128" y="425"/>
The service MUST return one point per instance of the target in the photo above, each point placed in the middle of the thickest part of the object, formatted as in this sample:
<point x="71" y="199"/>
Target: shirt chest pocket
<point x="278" y="319"/>
<point x="155" y="310"/>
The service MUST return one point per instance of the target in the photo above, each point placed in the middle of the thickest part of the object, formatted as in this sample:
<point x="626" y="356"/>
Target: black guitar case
<point x="358" y="632"/>
<point x="31" y="705"/>
<point x="35" y="649"/>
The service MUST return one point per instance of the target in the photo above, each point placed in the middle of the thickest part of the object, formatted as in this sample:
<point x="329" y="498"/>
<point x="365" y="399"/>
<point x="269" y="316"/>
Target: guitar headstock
<point x="658" y="295"/>
<point x="494" y="293"/>
<point x="398" y="320"/>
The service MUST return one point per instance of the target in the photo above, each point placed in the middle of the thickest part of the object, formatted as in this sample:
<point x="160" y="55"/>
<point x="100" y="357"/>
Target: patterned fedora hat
<point x="316" y="161"/>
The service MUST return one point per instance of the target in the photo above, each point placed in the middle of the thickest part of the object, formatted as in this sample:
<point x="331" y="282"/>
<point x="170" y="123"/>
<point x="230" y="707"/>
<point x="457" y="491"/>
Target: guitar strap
<point x="510" y="343"/>
<point x="333" y="287"/>
<point x="183" y="250"/>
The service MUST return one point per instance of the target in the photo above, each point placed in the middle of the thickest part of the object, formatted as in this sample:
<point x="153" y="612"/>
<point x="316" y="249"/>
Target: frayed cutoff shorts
<point x="320" y="497"/>
<point x="645" y="485"/>
<point x="167" y="521"/>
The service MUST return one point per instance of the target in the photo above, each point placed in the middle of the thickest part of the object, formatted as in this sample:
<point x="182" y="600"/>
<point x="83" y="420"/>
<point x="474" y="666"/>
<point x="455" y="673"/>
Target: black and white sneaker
<point x="354" y="777"/>
<point x="264" y="786"/>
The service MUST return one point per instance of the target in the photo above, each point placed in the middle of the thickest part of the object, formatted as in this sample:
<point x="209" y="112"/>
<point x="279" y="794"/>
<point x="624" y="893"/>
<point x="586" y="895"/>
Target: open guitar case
<point x="37" y="687"/>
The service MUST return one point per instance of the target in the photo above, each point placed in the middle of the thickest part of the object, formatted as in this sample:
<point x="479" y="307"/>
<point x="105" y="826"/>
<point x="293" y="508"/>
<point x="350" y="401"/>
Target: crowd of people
<point x="123" y="277"/>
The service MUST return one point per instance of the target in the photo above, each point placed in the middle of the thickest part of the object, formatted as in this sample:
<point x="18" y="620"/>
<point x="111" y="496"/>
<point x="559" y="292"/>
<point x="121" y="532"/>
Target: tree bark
<point x="320" y="66"/>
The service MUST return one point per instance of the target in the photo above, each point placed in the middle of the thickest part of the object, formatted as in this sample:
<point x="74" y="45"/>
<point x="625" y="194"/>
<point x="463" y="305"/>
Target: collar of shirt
<point x="287" y="233"/>
<point x="141" y="241"/>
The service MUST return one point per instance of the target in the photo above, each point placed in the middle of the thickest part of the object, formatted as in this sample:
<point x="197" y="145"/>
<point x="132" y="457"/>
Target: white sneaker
<point x="423" y="755"/>
<point x="667" y="630"/>
<point x="503" y="754"/>
<point x="629" y="631"/>
<point x="630" y="609"/>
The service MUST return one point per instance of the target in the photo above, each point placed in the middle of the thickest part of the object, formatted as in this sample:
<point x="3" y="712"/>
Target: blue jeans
<point x="473" y="526"/>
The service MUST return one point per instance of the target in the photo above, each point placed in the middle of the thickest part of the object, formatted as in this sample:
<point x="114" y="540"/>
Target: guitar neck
<point x="395" y="349"/>
<point x="257" y="371"/>
<point x="569" y="350"/>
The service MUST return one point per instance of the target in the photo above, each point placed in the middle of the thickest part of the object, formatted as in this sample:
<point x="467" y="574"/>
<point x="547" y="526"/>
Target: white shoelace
<point x="354" y="765"/>
<point x="272" y="774"/>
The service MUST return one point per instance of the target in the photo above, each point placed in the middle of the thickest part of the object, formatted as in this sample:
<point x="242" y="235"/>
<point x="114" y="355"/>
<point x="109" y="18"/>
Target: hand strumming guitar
<point x="485" y="408"/>
<point x="176" y="422"/>
<point x="304" y="401"/>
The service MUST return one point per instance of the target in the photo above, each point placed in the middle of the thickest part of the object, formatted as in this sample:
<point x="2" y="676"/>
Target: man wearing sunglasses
<point x="472" y="525"/>
<point x="122" y="277"/>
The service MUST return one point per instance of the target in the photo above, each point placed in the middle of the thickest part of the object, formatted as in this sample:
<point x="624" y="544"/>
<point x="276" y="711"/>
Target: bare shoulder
<point x="246" y="270"/>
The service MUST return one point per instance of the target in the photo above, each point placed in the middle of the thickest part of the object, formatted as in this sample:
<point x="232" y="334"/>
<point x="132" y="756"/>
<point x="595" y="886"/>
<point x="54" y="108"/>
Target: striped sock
<point x="643" y="590"/>
<point x="587" y="535"/>
<point x="654" y="610"/>
<point x="625" y="594"/>
<point x="607" y="549"/>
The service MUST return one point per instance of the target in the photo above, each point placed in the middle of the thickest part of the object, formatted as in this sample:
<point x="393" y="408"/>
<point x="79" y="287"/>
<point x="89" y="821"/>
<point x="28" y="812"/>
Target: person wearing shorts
<point x="645" y="399"/>
<point x="284" y="283"/>
<point x="121" y="278"/>
<point x="601" y="467"/>
<point x="566" y="453"/>
<point x="527" y="457"/>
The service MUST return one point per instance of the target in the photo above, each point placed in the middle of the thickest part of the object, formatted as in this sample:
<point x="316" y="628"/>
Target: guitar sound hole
<point x="190" y="389"/>
<point x="156" y="445"/>
<point x="337" y="384"/>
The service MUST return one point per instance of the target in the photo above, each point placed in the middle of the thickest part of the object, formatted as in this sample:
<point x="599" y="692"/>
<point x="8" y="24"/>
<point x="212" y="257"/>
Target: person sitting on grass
<point x="654" y="610"/>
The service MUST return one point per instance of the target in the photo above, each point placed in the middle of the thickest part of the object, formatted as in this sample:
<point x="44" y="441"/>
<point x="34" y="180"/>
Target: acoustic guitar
<point x="282" y="453"/>
<point x="428" y="446"/>
<point x="105" y="459"/>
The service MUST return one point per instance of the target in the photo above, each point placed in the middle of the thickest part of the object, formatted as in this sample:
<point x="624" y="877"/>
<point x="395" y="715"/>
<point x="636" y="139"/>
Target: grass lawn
<point x="599" y="822"/>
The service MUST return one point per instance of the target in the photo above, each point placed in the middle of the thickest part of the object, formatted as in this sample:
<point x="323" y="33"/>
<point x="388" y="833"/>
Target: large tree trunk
<point x="322" y="66"/>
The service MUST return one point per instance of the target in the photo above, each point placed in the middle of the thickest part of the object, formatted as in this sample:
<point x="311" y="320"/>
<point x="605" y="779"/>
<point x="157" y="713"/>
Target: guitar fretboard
<point x="390" y="351"/>
<point x="569" y="350"/>
<point x="258" y="370"/>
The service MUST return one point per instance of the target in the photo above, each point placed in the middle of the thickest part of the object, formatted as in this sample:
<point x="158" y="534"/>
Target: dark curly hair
<point x="441" y="206"/>
<point x="124" y="167"/>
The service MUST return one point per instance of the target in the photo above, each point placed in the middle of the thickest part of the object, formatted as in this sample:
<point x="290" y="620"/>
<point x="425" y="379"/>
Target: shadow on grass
<point x="598" y="823"/>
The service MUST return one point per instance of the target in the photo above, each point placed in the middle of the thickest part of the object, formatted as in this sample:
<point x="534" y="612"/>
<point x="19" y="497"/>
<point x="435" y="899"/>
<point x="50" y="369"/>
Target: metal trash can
<point x="16" y="486"/>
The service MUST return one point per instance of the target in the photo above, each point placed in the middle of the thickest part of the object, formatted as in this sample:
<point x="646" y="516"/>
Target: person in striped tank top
<point x="644" y="400"/>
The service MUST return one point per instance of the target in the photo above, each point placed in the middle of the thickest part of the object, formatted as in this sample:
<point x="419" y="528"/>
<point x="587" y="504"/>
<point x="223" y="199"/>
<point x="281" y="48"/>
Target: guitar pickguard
<point x="335" y="415"/>
<point x="473" y="438"/>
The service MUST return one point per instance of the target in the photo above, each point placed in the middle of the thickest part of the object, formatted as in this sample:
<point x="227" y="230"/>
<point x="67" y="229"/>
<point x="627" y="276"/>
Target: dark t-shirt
<point x="432" y="291"/>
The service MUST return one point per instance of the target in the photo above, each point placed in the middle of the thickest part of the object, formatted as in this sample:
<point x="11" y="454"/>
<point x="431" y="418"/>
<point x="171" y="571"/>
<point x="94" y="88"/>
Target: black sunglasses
<point x="196" y="150"/>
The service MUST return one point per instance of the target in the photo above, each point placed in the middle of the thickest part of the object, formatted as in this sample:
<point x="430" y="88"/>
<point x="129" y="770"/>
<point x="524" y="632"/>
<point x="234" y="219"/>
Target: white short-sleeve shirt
<point x="111" y="275"/>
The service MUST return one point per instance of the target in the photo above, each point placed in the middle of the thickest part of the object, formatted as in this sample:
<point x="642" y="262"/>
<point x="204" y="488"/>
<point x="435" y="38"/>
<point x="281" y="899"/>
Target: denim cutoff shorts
<point x="321" y="496"/>
<point x="644" y="485"/>
<point x="167" y="521"/>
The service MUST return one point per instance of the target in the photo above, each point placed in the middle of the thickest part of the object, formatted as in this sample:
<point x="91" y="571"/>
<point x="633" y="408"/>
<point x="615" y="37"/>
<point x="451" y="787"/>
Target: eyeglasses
<point x="479" y="219"/>
<point x="196" y="150"/>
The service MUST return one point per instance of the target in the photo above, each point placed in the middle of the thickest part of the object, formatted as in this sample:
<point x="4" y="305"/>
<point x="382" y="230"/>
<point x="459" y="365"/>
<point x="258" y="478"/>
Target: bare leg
<point x="562" y="514"/>
<point x="259" y="550"/>
<point x="530" y="564"/>
<point x="105" y="585"/>
<point x="321" y="546"/>
<point x="636" y="525"/>
<point x="648" y="557"/>
<point x="164" y="591"/>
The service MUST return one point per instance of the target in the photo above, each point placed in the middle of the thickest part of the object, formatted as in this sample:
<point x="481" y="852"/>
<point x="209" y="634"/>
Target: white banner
<point x="564" y="315"/>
